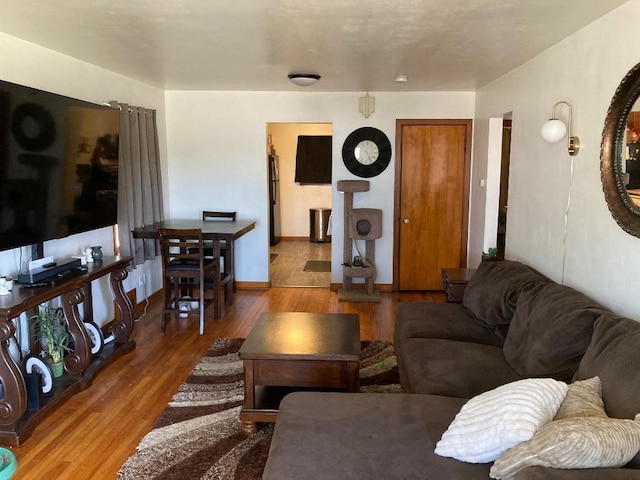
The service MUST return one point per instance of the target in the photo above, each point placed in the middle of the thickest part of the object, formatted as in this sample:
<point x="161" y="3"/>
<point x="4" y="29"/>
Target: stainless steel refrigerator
<point x="274" y="200"/>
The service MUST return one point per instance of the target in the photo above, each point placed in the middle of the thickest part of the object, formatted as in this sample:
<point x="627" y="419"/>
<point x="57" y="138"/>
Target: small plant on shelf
<point x="51" y="331"/>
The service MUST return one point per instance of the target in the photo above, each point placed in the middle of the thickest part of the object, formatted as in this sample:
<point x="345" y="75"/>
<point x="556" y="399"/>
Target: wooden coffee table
<point x="285" y="352"/>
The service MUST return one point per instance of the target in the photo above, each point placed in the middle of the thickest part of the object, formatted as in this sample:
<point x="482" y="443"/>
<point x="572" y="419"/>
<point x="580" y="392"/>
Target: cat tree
<point x="359" y="224"/>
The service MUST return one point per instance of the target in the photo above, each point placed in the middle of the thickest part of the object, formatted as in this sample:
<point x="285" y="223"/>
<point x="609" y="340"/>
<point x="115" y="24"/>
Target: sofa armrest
<point x="547" y="473"/>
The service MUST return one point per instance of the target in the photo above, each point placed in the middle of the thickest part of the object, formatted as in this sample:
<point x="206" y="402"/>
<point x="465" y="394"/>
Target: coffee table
<point x="290" y="351"/>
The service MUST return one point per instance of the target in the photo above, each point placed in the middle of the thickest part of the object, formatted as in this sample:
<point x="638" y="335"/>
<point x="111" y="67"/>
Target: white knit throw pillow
<point x="491" y="423"/>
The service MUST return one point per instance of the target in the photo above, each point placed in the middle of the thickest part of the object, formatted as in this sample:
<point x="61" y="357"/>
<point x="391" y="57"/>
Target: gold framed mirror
<point x="620" y="154"/>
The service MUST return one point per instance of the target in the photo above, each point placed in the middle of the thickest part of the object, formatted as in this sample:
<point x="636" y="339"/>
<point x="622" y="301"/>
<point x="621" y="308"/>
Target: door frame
<point x="400" y="123"/>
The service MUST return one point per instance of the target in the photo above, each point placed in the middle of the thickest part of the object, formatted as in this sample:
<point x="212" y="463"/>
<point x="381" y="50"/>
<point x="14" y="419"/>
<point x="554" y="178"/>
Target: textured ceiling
<point x="356" y="45"/>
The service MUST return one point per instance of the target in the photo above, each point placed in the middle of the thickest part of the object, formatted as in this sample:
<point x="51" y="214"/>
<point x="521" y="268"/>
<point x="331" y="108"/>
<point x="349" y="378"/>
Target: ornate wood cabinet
<point x="16" y="423"/>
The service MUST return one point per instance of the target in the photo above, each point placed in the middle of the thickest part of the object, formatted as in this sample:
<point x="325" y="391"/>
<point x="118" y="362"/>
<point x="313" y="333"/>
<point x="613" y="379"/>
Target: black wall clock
<point x="366" y="152"/>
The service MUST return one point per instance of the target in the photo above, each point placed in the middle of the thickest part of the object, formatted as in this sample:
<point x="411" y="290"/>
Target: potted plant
<point x="51" y="332"/>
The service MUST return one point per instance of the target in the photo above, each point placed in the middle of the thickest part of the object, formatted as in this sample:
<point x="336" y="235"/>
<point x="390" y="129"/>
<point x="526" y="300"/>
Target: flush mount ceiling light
<point x="401" y="79"/>
<point x="554" y="130"/>
<point x="304" y="79"/>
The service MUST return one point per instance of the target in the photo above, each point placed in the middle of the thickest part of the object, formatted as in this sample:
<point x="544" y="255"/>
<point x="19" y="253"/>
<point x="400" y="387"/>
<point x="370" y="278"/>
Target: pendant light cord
<point x="566" y="223"/>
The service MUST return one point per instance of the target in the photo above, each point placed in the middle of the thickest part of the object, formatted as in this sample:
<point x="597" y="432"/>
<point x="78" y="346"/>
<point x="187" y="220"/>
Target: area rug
<point x="198" y="435"/>
<point x="317" y="266"/>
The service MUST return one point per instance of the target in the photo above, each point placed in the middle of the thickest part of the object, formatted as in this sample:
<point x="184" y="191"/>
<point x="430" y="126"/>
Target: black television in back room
<point x="58" y="166"/>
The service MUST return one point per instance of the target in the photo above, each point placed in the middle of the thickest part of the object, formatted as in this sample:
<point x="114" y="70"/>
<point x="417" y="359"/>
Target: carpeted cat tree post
<point x="359" y="224"/>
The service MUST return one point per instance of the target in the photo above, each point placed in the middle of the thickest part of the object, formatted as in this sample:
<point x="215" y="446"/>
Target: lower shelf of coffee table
<point x="267" y="401"/>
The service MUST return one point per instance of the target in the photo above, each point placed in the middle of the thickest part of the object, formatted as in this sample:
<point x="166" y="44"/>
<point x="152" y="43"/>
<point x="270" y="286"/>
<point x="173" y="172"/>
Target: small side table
<point x="454" y="281"/>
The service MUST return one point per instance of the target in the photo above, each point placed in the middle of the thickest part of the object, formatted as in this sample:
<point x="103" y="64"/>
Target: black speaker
<point x="33" y="382"/>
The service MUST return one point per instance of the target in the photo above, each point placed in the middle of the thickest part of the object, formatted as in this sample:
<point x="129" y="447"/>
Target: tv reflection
<point x="97" y="202"/>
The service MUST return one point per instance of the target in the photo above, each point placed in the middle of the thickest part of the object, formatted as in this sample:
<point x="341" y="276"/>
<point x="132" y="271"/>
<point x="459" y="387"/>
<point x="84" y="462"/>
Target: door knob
<point x="406" y="220"/>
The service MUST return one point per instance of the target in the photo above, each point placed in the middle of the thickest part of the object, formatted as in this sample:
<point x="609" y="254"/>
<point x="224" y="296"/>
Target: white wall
<point x="297" y="199"/>
<point x="216" y="155"/>
<point x="31" y="65"/>
<point x="596" y="256"/>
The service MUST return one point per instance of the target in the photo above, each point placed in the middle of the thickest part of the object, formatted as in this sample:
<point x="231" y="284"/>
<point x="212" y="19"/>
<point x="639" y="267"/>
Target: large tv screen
<point x="58" y="166"/>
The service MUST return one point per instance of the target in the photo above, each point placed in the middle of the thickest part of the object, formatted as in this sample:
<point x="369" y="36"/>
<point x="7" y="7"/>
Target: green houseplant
<point x="51" y="331"/>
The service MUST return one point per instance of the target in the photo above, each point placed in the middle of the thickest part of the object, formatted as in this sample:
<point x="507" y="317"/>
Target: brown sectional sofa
<point x="513" y="323"/>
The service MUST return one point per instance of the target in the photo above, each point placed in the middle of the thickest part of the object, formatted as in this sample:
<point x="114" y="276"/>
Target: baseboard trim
<point x="253" y="285"/>
<point x="295" y="239"/>
<point x="156" y="296"/>
<point x="383" y="287"/>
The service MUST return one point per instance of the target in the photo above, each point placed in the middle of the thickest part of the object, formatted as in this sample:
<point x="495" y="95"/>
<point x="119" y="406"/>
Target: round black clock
<point x="366" y="152"/>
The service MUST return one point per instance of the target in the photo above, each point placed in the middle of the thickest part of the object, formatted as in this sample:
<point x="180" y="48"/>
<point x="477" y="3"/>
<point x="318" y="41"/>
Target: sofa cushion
<point x="455" y="369"/>
<point x="495" y="421"/>
<point x="358" y="435"/>
<point x="492" y="291"/>
<point x="449" y="321"/>
<point x="550" y="331"/>
<point x="613" y="356"/>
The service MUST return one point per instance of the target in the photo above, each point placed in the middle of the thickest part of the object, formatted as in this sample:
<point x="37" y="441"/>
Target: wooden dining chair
<point x="226" y="250"/>
<point x="186" y="270"/>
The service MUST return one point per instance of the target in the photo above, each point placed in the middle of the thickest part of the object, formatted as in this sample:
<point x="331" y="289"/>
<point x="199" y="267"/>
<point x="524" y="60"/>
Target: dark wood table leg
<point x="249" y="426"/>
<point x="229" y="269"/>
<point x="353" y="377"/>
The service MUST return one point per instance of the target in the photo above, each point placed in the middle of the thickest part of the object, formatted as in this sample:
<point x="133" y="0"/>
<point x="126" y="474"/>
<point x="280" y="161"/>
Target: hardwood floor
<point x="287" y="269"/>
<point x="95" y="431"/>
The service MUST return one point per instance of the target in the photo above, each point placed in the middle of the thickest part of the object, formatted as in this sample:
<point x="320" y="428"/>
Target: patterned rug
<point x="198" y="435"/>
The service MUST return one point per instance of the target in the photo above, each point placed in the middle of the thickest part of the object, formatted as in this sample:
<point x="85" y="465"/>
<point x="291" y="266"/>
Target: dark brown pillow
<point x="492" y="291"/>
<point x="550" y="331"/>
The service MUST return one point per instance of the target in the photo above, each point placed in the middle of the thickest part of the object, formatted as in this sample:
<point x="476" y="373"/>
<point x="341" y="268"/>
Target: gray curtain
<point x="139" y="185"/>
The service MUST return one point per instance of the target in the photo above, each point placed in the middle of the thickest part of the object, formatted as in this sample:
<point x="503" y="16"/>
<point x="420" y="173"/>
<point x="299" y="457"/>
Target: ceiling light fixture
<point x="304" y="79"/>
<point x="554" y="130"/>
<point x="401" y="79"/>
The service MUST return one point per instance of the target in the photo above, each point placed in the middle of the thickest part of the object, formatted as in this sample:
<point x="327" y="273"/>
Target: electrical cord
<point x="566" y="223"/>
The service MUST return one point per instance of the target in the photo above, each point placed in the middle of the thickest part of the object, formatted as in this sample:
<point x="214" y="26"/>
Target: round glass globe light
<point x="553" y="130"/>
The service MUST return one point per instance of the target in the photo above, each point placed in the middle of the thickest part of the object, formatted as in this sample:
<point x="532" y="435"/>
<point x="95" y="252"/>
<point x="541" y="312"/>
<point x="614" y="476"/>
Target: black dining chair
<point x="186" y="270"/>
<point x="226" y="250"/>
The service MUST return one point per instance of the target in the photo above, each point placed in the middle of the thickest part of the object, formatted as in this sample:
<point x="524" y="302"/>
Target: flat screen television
<point x="58" y="166"/>
<point x="313" y="159"/>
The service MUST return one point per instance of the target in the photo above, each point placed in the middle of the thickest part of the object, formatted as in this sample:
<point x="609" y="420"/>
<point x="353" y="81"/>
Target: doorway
<point x="503" y="206"/>
<point x="433" y="159"/>
<point x="294" y="261"/>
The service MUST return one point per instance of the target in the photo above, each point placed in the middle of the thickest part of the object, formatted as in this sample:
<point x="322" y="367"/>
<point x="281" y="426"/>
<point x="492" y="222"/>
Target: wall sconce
<point x="367" y="105"/>
<point x="554" y="130"/>
<point x="304" y="79"/>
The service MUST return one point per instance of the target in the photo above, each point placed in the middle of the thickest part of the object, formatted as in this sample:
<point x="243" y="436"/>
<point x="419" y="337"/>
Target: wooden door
<point x="432" y="193"/>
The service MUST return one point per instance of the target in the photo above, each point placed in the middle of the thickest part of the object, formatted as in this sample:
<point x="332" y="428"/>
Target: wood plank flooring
<point x="287" y="269"/>
<point x="91" y="435"/>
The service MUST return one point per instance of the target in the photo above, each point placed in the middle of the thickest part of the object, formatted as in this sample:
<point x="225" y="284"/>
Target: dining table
<point x="213" y="230"/>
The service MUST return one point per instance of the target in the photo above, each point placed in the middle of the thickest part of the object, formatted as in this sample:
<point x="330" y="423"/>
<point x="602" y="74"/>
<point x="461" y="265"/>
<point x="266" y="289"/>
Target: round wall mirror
<point x="620" y="154"/>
